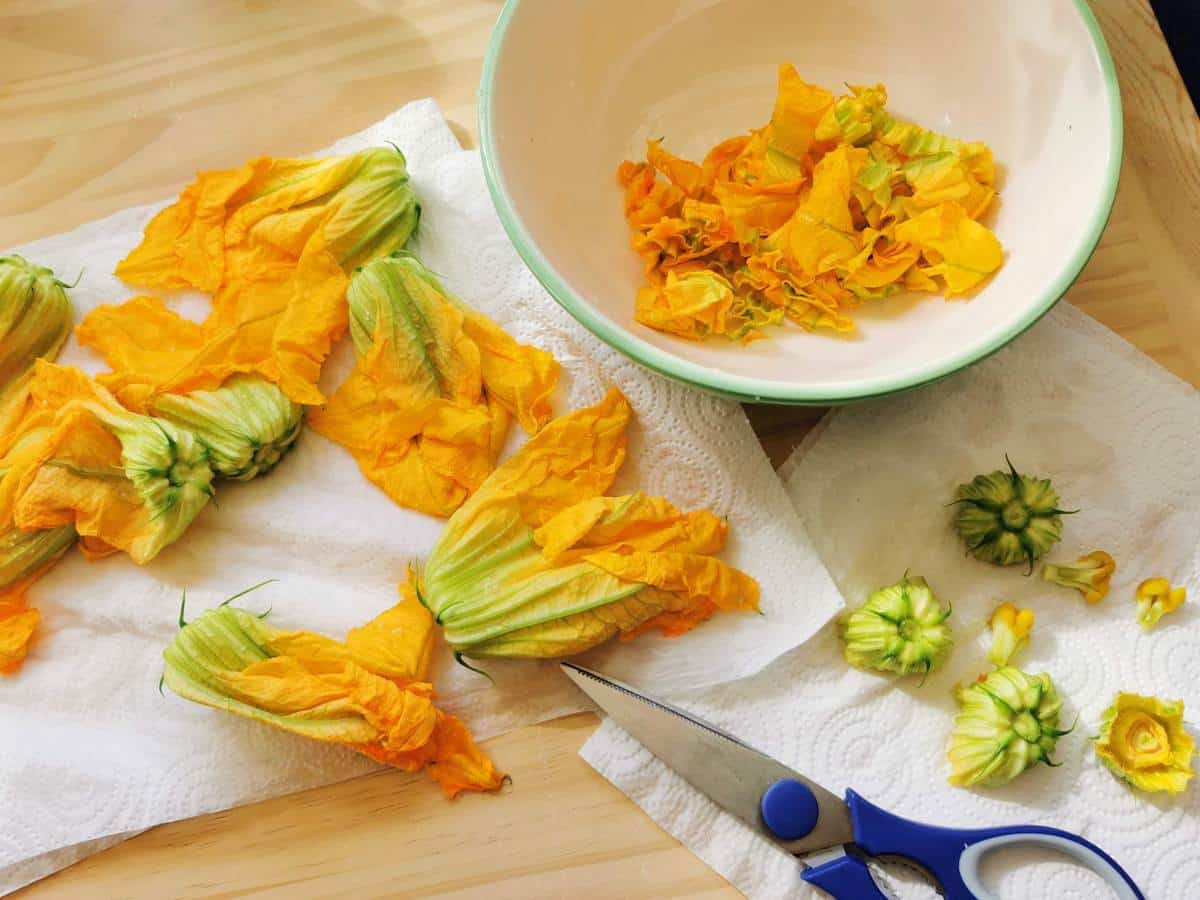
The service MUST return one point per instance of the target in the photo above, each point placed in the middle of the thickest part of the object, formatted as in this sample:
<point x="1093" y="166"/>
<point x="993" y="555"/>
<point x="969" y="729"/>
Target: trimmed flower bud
<point x="247" y="424"/>
<point x="1010" y="633"/>
<point x="1006" y="517"/>
<point x="1007" y="722"/>
<point x="1156" y="598"/>
<point x="1144" y="743"/>
<point x="166" y="464"/>
<point x="1091" y="575"/>
<point x="35" y="317"/>
<point x="899" y="629"/>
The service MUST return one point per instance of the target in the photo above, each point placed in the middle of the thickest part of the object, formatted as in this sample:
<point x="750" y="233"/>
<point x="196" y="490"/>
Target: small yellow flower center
<point x="1140" y="740"/>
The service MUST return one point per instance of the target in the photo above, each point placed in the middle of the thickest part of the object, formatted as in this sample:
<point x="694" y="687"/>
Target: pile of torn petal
<point x="832" y="203"/>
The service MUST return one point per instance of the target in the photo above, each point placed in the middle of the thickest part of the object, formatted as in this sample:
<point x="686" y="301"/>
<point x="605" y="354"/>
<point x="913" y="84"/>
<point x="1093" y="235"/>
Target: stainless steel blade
<point x="733" y="774"/>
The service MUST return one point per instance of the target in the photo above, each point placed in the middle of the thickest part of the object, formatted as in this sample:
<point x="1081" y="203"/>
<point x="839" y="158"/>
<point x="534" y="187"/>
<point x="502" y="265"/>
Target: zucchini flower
<point x="35" y="317"/>
<point x="428" y="405"/>
<point x="540" y="563"/>
<point x="1007" y="719"/>
<point x="1144" y="743"/>
<point x="274" y="242"/>
<point x="35" y="321"/>
<point x="1006" y="517"/>
<point x="899" y="629"/>
<point x="1010" y="633"/>
<point x="1091" y="575"/>
<point x="1156" y="598"/>
<point x="130" y="481"/>
<point x="367" y="693"/>
<point x="247" y="424"/>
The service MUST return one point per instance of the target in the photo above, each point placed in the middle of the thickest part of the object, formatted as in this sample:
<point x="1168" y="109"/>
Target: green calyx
<point x="1006" y="518"/>
<point x="247" y="424"/>
<point x="1007" y="722"/>
<point x="900" y="629"/>
<point x="167" y="466"/>
<point x="35" y="316"/>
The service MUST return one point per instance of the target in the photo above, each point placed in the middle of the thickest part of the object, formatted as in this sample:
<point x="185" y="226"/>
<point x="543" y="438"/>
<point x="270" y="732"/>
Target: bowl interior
<point x="572" y="89"/>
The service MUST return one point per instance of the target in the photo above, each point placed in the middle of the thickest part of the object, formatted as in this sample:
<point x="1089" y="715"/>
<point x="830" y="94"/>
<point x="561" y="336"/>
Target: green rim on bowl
<point x="757" y="390"/>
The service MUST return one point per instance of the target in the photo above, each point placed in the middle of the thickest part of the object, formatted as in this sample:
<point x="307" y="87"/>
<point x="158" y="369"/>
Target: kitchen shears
<point x="804" y="818"/>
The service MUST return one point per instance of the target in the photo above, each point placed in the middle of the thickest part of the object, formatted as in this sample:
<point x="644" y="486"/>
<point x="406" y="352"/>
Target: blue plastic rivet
<point x="789" y="809"/>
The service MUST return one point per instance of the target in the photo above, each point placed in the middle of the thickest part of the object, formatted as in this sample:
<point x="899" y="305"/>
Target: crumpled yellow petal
<point x="820" y="236"/>
<point x="520" y="377"/>
<point x="573" y="458"/>
<point x="398" y="642"/>
<point x="684" y="174"/>
<point x="693" y="305"/>
<point x="17" y="625"/>
<point x="425" y="452"/>
<point x="799" y="109"/>
<point x="622" y="524"/>
<point x="960" y="250"/>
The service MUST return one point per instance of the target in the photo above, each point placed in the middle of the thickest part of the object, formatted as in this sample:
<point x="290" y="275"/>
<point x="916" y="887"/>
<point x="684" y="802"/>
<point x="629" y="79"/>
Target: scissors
<point x="804" y="818"/>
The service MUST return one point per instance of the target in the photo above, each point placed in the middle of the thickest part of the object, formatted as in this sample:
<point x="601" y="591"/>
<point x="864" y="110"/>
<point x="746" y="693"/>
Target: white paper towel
<point x="89" y="749"/>
<point x="1117" y="434"/>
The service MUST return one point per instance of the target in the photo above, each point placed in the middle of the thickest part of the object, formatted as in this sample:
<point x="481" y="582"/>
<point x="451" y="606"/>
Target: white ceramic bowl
<point x="572" y="87"/>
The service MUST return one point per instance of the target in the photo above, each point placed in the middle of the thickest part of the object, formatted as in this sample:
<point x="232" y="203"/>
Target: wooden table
<point x="109" y="104"/>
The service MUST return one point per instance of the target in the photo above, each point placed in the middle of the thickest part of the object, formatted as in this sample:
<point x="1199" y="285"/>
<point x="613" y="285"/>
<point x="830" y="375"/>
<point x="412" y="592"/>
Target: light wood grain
<point x="110" y="104"/>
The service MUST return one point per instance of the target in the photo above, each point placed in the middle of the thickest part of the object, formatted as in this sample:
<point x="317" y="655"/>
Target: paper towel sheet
<point x="1117" y="434"/>
<point x="88" y="748"/>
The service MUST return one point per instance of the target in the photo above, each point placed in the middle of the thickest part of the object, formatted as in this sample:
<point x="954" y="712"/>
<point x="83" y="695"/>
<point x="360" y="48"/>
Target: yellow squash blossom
<point x="121" y="479"/>
<point x="428" y="405"/>
<point x="540" y="563"/>
<point x="1155" y="598"/>
<point x="1091" y="575"/>
<point x="1144" y="742"/>
<point x="274" y="243"/>
<point x="832" y="203"/>
<point x="35" y="321"/>
<point x="368" y="693"/>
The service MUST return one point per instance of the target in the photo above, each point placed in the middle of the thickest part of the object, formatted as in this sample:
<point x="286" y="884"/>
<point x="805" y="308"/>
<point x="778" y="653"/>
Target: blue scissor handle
<point x="846" y="877"/>
<point x="953" y="855"/>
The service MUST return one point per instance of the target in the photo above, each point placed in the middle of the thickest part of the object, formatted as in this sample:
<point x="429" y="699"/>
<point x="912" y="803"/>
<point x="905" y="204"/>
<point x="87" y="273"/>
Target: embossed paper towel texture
<point x="88" y="748"/>
<point x="1118" y="435"/>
